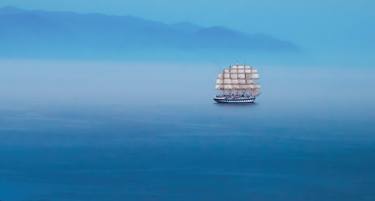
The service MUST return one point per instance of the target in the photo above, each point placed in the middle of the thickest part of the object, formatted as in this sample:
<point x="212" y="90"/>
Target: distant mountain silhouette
<point x="42" y="33"/>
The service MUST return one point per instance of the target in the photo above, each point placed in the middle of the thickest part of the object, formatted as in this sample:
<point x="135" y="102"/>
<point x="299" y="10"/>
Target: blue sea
<point x="110" y="131"/>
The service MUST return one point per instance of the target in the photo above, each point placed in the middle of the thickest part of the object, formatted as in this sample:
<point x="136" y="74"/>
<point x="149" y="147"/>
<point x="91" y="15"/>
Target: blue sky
<point x="330" y="24"/>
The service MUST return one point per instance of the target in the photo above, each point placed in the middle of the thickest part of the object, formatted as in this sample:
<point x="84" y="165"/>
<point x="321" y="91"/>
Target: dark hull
<point x="234" y="100"/>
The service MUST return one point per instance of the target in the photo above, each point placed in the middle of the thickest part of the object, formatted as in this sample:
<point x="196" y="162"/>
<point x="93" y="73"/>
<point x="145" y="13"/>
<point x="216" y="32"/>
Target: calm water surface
<point x="76" y="131"/>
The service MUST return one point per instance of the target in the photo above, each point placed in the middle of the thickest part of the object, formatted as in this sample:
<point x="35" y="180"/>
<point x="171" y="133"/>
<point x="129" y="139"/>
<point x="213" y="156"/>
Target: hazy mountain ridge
<point x="43" y="33"/>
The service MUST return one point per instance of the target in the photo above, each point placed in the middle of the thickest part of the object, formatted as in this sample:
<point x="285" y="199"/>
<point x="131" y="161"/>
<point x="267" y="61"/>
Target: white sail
<point x="235" y="86"/>
<point x="253" y="76"/>
<point x="242" y="81"/>
<point x="239" y="79"/>
<point x="234" y="76"/>
<point x="227" y="86"/>
<point x="227" y="81"/>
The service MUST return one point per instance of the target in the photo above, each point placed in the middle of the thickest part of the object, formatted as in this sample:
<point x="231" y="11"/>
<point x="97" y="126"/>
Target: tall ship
<point x="237" y="84"/>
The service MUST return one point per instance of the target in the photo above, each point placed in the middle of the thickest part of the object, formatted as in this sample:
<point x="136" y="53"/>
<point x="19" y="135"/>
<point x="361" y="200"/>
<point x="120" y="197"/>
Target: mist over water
<point x="74" y="130"/>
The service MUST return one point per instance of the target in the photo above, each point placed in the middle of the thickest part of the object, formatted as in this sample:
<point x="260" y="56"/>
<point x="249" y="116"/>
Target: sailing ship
<point x="237" y="84"/>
